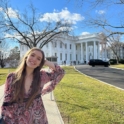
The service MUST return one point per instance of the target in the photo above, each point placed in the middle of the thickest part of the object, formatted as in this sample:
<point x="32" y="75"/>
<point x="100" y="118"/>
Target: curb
<point x="116" y="68"/>
<point x="62" y="122"/>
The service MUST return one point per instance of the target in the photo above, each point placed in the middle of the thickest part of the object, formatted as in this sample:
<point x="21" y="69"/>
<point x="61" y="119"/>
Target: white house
<point x="72" y="49"/>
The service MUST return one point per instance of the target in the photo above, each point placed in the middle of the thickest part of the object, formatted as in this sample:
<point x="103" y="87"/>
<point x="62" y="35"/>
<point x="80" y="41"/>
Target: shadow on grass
<point x="77" y="86"/>
<point x="72" y="104"/>
<point x="2" y="74"/>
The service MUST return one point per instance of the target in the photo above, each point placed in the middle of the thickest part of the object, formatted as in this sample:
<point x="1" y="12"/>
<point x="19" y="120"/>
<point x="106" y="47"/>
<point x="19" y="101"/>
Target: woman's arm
<point x="52" y="78"/>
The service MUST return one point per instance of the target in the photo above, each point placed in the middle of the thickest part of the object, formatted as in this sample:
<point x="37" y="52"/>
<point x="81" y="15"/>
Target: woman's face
<point x="34" y="59"/>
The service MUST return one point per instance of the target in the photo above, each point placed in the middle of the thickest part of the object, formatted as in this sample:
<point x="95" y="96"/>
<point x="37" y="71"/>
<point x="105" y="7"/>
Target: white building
<point x="72" y="49"/>
<point x="118" y="49"/>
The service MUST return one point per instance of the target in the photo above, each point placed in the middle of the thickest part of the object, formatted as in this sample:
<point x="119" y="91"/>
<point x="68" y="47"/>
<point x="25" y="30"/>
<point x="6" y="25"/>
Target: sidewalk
<point x="52" y="111"/>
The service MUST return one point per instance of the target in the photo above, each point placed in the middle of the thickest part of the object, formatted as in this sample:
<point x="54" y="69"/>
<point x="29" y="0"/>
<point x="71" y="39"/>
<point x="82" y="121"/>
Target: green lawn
<point x="118" y="66"/>
<point x="3" y="73"/>
<point x="83" y="100"/>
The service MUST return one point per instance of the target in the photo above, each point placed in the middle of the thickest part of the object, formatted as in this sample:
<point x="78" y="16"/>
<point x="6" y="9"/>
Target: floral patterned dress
<point x="35" y="114"/>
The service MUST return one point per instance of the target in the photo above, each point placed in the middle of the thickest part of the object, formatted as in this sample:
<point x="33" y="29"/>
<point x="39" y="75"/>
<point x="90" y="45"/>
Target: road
<point x="109" y="75"/>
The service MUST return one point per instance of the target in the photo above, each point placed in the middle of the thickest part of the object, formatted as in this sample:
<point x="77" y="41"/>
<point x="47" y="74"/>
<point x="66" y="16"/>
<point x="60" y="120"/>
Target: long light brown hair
<point x="18" y="82"/>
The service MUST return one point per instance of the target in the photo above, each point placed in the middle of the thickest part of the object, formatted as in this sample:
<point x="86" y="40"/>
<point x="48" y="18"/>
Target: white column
<point x="74" y="53"/>
<point x="86" y="54"/>
<point x="105" y="52"/>
<point x="94" y="44"/>
<point x="98" y="48"/>
<point x="102" y="51"/>
<point x="68" y="58"/>
<point x="81" y="54"/>
<point x="50" y="48"/>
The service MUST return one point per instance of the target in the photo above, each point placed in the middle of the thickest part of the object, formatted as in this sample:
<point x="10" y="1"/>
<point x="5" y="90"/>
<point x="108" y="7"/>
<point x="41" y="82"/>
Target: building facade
<point x="118" y="50"/>
<point x="72" y="49"/>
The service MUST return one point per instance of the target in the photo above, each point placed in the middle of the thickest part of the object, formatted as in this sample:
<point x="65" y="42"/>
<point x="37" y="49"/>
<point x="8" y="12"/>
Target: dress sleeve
<point x="51" y="79"/>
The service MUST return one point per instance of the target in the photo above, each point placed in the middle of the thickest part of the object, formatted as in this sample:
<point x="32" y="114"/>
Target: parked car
<point x="94" y="62"/>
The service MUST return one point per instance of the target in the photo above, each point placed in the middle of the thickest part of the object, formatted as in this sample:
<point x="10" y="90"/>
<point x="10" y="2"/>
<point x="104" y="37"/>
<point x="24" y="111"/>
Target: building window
<point x="70" y="46"/>
<point x="22" y="47"/>
<point x="46" y="54"/>
<point x="76" y="57"/>
<point x="52" y="59"/>
<point x="55" y="54"/>
<point x="60" y="56"/>
<point x="76" y="47"/>
<point x="47" y="45"/>
<point x="27" y="47"/>
<point x="66" y="46"/>
<point x="65" y="56"/>
<point x="55" y="44"/>
<point x="60" y="44"/>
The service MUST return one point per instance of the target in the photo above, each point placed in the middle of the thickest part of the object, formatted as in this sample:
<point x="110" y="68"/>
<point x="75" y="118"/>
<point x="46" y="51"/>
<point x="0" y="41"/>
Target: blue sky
<point x="70" y="11"/>
<point x="58" y="6"/>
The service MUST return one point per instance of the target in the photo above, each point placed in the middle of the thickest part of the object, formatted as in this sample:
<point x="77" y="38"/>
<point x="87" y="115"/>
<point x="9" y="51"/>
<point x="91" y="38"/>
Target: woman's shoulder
<point x="10" y="75"/>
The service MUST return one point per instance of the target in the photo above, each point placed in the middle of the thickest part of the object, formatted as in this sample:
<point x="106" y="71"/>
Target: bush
<point x="121" y="61"/>
<point x="113" y="61"/>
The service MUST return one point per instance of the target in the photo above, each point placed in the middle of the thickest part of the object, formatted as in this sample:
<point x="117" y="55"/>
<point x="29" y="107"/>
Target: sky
<point x="64" y="8"/>
<point x="67" y="10"/>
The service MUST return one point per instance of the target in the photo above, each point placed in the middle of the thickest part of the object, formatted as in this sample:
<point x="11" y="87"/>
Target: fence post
<point x="51" y="96"/>
<point x="50" y="92"/>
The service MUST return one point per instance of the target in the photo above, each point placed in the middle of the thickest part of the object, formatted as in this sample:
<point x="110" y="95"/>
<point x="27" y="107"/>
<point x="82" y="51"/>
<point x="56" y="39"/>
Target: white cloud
<point x="64" y="15"/>
<point x="12" y="13"/>
<point x="6" y="35"/>
<point x="85" y="33"/>
<point x="66" y="28"/>
<point x="1" y="8"/>
<point x="100" y="12"/>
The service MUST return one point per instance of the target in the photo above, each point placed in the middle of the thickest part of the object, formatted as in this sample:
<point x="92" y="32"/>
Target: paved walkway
<point x="52" y="111"/>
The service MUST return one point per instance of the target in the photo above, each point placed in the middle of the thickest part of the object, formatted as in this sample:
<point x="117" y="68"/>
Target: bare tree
<point x="103" y="20"/>
<point x="14" y="53"/>
<point x="3" y="53"/>
<point x="27" y="29"/>
<point x="14" y="57"/>
<point x="114" y="44"/>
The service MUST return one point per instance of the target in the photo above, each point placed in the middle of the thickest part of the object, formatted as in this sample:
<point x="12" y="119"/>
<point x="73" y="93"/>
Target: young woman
<point x="23" y="89"/>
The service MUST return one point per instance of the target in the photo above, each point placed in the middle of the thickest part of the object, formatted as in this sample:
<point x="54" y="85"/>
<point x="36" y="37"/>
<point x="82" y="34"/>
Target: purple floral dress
<point x="35" y="114"/>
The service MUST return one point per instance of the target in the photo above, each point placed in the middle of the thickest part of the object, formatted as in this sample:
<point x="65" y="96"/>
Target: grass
<point x="118" y="66"/>
<point x="3" y="73"/>
<point x="83" y="100"/>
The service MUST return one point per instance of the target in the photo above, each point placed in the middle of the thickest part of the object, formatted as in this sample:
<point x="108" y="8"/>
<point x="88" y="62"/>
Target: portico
<point x="87" y="50"/>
